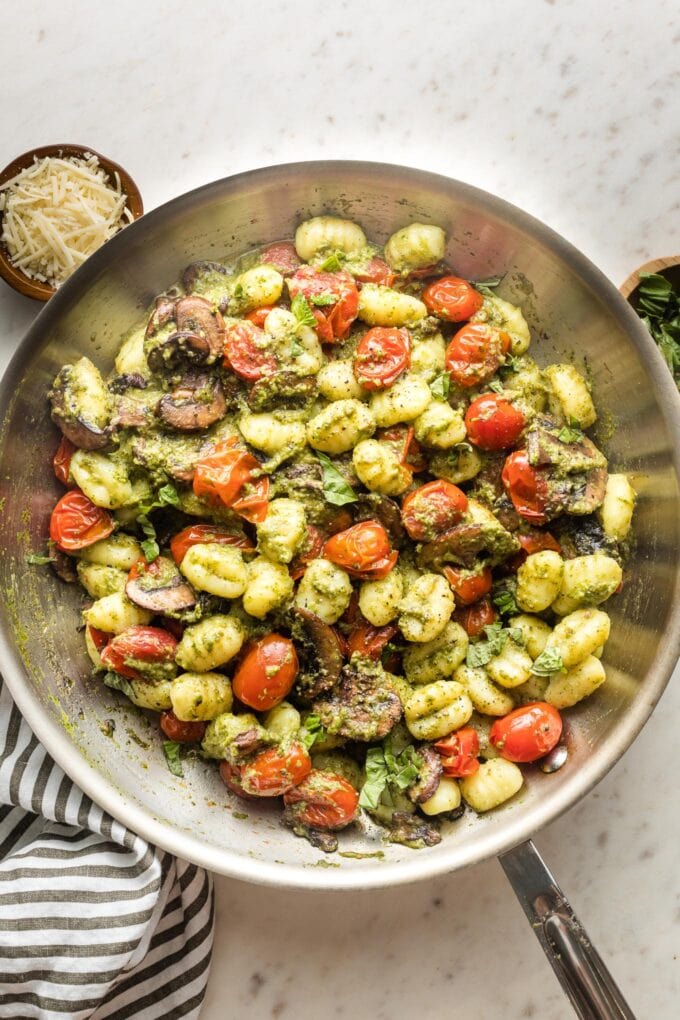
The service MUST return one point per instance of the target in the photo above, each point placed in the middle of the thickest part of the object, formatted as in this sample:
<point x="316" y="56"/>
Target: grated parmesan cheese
<point x="57" y="212"/>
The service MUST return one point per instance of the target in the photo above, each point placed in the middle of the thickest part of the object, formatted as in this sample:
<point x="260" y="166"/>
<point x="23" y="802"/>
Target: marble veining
<point x="567" y="108"/>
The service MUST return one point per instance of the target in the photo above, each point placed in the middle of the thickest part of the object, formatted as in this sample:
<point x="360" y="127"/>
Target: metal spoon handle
<point x="579" y="968"/>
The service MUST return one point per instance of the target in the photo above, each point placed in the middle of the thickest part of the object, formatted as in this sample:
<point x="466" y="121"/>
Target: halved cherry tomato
<point x="528" y="733"/>
<point x="275" y="771"/>
<point x="369" y="641"/>
<point x="473" y="619"/>
<point x="493" y="423"/>
<point x="468" y="586"/>
<point x="313" y="283"/>
<point x="259" y="315"/>
<point x="362" y="550"/>
<point x="138" y="647"/>
<point x="323" y="800"/>
<point x="432" y="509"/>
<point x="245" y="352"/>
<point x="62" y="460"/>
<point x="312" y="549"/>
<point x="76" y="522"/>
<point x="231" y="777"/>
<point x="536" y="541"/>
<point x="100" y="638"/>
<point x="197" y="534"/>
<point x="526" y="488"/>
<point x="282" y="256"/>
<point x="381" y="356"/>
<point x="183" y="732"/>
<point x="459" y="752"/>
<point x="266" y="673"/>
<point x="407" y="447"/>
<point x="226" y="474"/>
<point x="377" y="271"/>
<point x="475" y="353"/>
<point x="452" y="299"/>
<point x="324" y="329"/>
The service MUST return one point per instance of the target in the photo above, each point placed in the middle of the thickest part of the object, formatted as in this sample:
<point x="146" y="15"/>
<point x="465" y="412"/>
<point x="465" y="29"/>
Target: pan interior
<point x="575" y="314"/>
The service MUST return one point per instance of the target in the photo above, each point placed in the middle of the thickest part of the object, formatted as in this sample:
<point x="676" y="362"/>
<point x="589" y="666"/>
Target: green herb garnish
<point x="323" y="299"/>
<point x="39" y="559"/>
<point x="548" y="662"/>
<point x="301" y="310"/>
<point x="659" y="309"/>
<point x="571" y="433"/>
<point x="118" y="683"/>
<point x="376" y="779"/>
<point x="496" y="385"/>
<point x="440" y="386"/>
<point x="335" y="489"/>
<point x="167" y="496"/>
<point x="171" y="749"/>
<point x="333" y="262"/>
<point x="384" y="768"/>
<point x="487" y="286"/>
<point x="481" y="652"/>
<point x="504" y="597"/>
<point x="311" y="731"/>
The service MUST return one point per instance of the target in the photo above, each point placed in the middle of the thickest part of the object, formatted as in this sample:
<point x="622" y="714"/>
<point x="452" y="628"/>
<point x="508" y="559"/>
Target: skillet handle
<point x="577" y="964"/>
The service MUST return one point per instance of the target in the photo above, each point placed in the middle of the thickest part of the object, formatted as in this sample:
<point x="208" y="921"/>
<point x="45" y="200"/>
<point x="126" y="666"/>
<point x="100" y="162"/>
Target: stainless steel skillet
<point x="574" y="311"/>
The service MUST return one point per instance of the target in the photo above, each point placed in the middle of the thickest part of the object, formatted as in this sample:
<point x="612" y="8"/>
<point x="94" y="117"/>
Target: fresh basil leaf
<point x="405" y="768"/>
<point x="659" y="309"/>
<point x="512" y="363"/>
<point x="238" y="292"/>
<point x="150" y="548"/>
<point x="39" y="560"/>
<point x="496" y="385"/>
<point x="323" y="299"/>
<point x="312" y="731"/>
<point x="504" y="597"/>
<point x="481" y="652"/>
<point x="168" y="496"/>
<point x="488" y="286"/>
<point x="376" y="779"/>
<point x="171" y="749"/>
<point x="303" y="313"/>
<point x="547" y="663"/>
<point x="118" y="683"/>
<point x="440" y="386"/>
<point x="335" y="489"/>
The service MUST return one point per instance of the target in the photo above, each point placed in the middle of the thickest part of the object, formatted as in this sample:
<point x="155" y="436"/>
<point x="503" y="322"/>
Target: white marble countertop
<point x="567" y="109"/>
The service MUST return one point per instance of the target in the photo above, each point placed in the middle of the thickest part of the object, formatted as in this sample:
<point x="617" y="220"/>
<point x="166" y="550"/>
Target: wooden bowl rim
<point x="15" y="277"/>
<point x="659" y="265"/>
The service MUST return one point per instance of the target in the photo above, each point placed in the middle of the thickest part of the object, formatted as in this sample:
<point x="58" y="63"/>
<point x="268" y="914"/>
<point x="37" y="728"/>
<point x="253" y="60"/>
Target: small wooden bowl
<point x="668" y="266"/>
<point x="15" y="277"/>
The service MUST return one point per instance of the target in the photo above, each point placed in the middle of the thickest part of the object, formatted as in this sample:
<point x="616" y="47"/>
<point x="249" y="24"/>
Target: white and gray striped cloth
<point x="94" y="922"/>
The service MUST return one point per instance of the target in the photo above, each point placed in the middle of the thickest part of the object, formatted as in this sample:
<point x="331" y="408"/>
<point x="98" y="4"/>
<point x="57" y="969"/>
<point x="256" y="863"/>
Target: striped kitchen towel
<point x="94" y="922"/>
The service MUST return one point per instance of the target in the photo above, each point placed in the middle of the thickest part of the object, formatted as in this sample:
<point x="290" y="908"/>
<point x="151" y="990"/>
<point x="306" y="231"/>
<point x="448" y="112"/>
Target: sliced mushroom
<point x="207" y="278"/>
<point x="545" y="448"/>
<point x="134" y="408"/>
<point x="161" y="589"/>
<point x="130" y="381"/>
<point x="81" y="405"/>
<point x="167" y="456"/>
<point x="412" y="831"/>
<point x="193" y="314"/>
<point x="461" y="545"/>
<point x="282" y="390"/>
<point x="163" y="313"/>
<point x="320" y="656"/>
<point x="372" y="506"/>
<point x="63" y="566"/>
<point x="363" y="706"/>
<point x="176" y="349"/>
<point x="578" y="494"/>
<point x="197" y="402"/>
<point x="428" y="777"/>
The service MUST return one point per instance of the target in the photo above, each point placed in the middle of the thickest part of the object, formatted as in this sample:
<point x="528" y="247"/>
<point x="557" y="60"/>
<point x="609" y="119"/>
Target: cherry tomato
<point x="231" y="777"/>
<point x="377" y="271"/>
<point x="100" y="638"/>
<point x="324" y="329"/>
<point x="183" y="732"/>
<point x="225" y="473"/>
<point x="76" y="522"/>
<point x="381" y="356"/>
<point x="311" y="551"/>
<point x="282" y="256"/>
<point x="266" y="673"/>
<point x="493" y="423"/>
<point x="526" y="488"/>
<point x="313" y="283"/>
<point x="536" y="541"/>
<point x="137" y="647"/>
<point x="468" y="586"/>
<point x="369" y="641"/>
<point x="473" y="619"/>
<point x="407" y="447"/>
<point x="323" y="800"/>
<point x="275" y="771"/>
<point x="245" y="352"/>
<point x="432" y="509"/>
<point x="62" y="460"/>
<point x="197" y="534"/>
<point x="259" y="315"/>
<point x="362" y="550"/>
<point x="475" y="353"/>
<point x="528" y="733"/>
<point x="452" y="299"/>
<point x="459" y="752"/>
